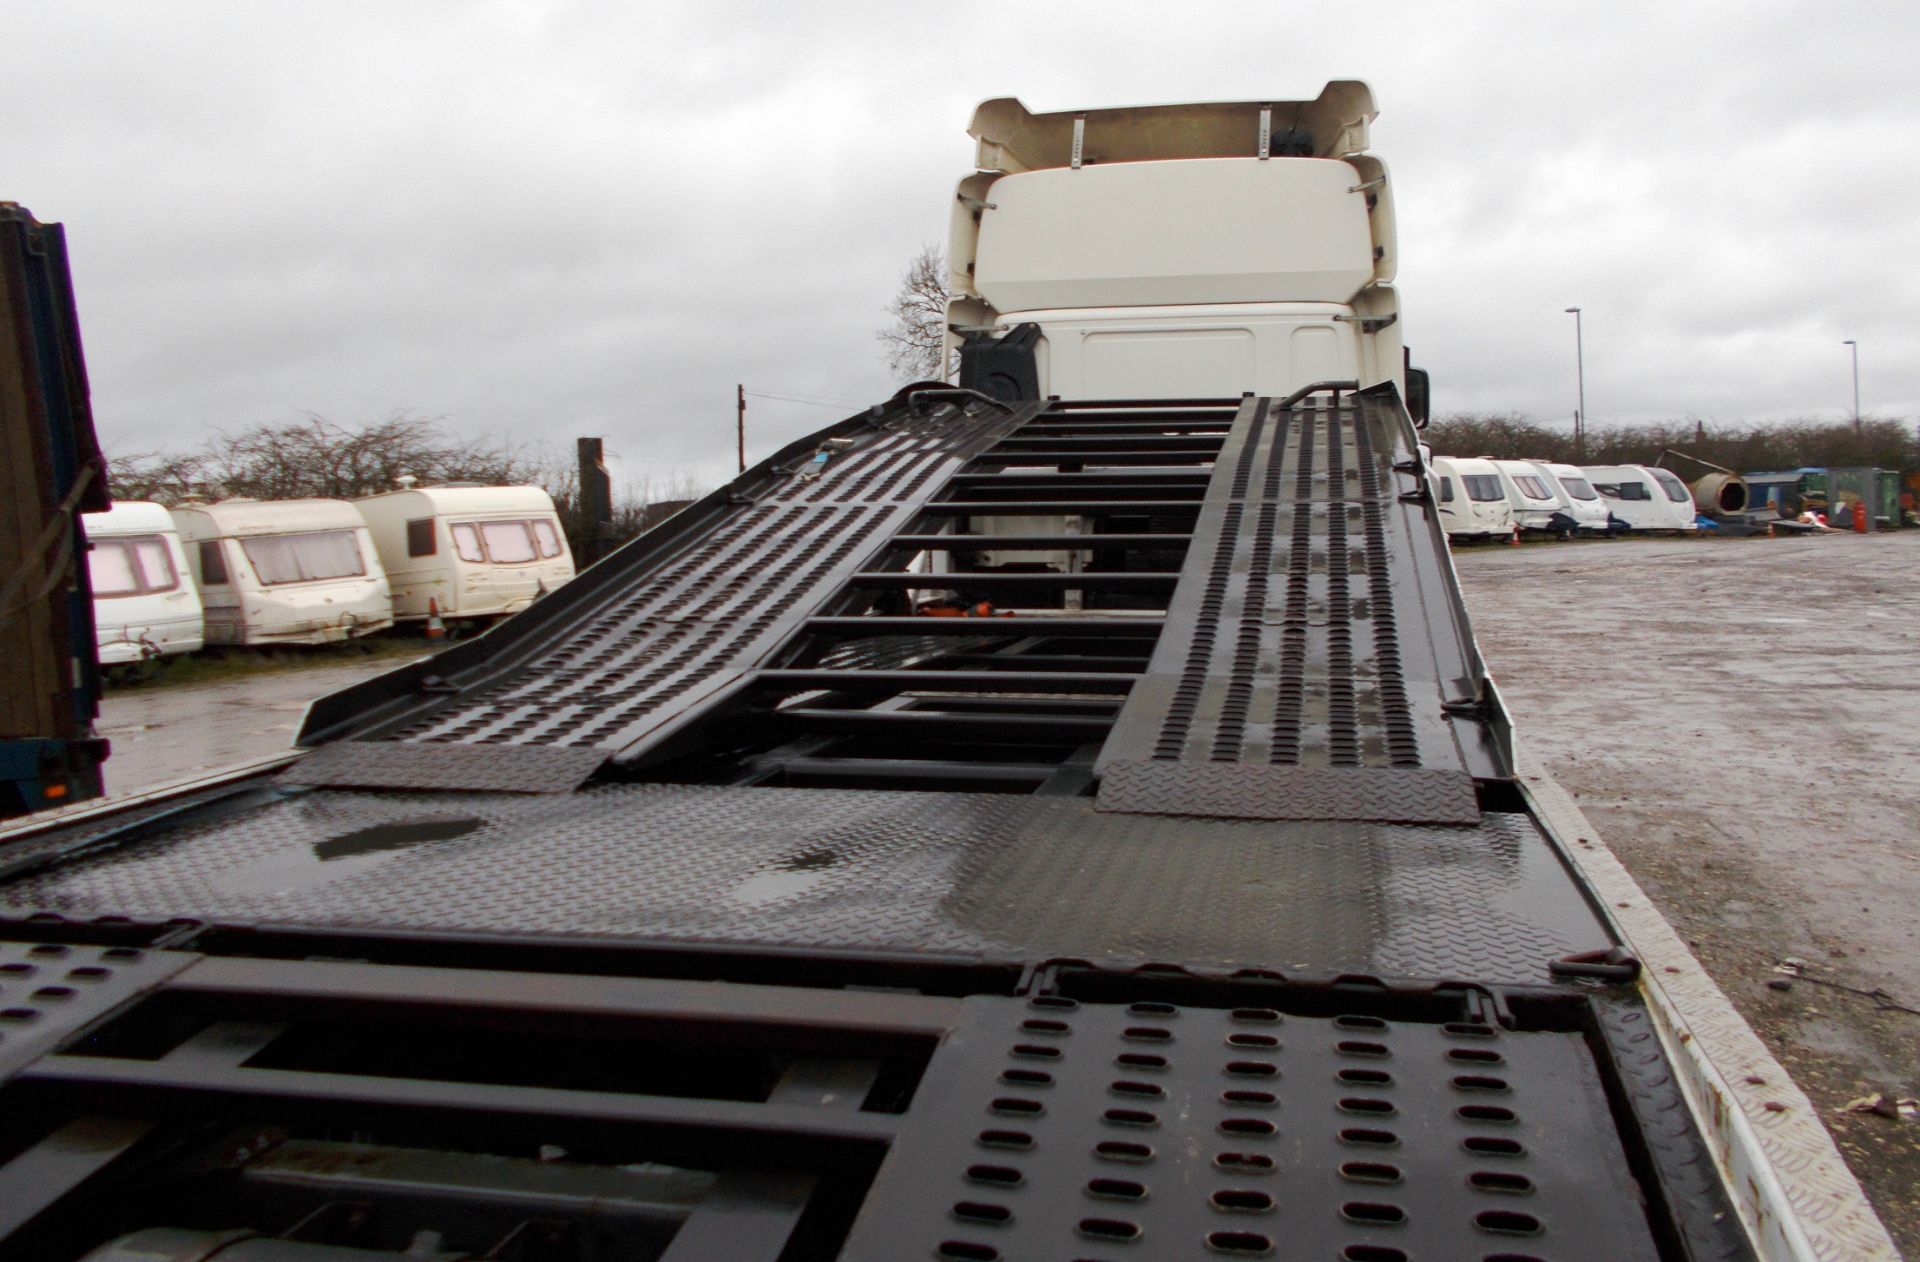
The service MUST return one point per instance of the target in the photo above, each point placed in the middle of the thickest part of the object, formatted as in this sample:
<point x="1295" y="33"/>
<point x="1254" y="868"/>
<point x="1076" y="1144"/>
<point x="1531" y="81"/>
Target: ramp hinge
<point x="1610" y="966"/>
<point x="1266" y="132"/>
<point x="1079" y="139"/>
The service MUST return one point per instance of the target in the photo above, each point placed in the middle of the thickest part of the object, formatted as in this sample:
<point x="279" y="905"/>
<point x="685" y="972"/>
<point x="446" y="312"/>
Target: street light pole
<point x="1855" y="346"/>
<point x="1580" y="362"/>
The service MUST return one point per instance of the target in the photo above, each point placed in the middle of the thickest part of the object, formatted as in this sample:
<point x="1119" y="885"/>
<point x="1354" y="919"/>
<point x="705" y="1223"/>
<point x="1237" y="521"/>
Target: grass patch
<point x="225" y="664"/>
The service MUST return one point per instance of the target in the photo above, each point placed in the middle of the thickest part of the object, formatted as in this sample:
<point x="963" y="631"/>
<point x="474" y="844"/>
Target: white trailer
<point x="467" y="552"/>
<point x="1647" y="500"/>
<point x="145" y="606"/>
<point x="284" y="571"/>
<point x="1539" y="505"/>
<point x="1583" y="502"/>
<point x="1473" y="502"/>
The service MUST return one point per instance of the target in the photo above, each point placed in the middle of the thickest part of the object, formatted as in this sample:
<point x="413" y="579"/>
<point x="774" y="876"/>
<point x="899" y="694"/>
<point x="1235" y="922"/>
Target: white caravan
<point x="1588" y="509"/>
<point x="284" y="571"/>
<point x="145" y="607"/>
<point x="1473" y="503"/>
<point x="1537" y="500"/>
<point x="467" y="552"/>
<point x="1645" y="499"/>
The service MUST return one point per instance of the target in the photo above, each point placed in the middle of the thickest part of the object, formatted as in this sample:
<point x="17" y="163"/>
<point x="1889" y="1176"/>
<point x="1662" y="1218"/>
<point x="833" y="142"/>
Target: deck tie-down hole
<point x="1239" y="1244"/>
<point x="1373" y="1213"/>
<point x="1241" y="1201"/>
<point x="1253" y="1069"/>
<point x="1026" y="1077"/>
<point x="1142" y="1090"/>
<point x="1486" y="1113"/>
<point x="1059" y="1003"/>
<point x="1140" y="1060"/>
<point x="1475" y="1056"/>
<point x="1250" y="1099"/>
<point x="19" y="1014"/>
<point x="1369" y="1138"/>
<point x="1367" y="1106"/>
<point x="967" y="1251"/>
<point x="1123" y="1151"/>
<point x="1013" y="1141"/>
<point x="1366" y="1077"/>
<point x="1117" y="1189"/>
<point x="54" y="992"/>
<point x="1480" y="1082"/>
<point x="1501" y="1181"/>
<point x="1147" y="1034"/>
<point x="1114" y="1229"/>
<point x="1035" y="1025"/>
<point x="1369" y="1172"/>
<point x="997" y="1176"/>
<point x="1494" y="1146"/>
<point x="1161" y="1010"/>
<point x="1507" y="1222"/>
<point x="1360" y="1047"/>
<point x="1018" y="1106"/>
<point x="1372" y="1253"/>
<point x="1260" y="1016"/>
<point x="1353" y="1022"/>
<point x="1244" y="1162"/>
<point x="1252" y="1127"/>
<point x="50" y="949"/>
<point x="15" y="968"/>
<point x="1245" y="1039"/>
<point x="1129" y="1117"/>
<point x="1035" y="1051"/>
<point x="982" y="1212"/>
<point x="89" y="973"/>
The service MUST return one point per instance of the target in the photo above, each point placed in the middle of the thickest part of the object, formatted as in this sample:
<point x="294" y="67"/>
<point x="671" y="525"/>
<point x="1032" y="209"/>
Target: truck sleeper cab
<point x="145" y="606"/>
<point x="284" y="571"/>
<point x="467" y="552"/>
<point x="1646" y="500"/>
<point x="1472" y="501"/>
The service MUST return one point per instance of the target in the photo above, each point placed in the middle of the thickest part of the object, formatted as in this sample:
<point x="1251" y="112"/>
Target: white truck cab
<point x="1177" y="251"/>
<point x="1473" y="503"/>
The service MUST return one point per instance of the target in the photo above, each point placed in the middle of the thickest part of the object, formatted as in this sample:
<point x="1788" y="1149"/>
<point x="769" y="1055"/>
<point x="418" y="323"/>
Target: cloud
<point x="541" y="220"/>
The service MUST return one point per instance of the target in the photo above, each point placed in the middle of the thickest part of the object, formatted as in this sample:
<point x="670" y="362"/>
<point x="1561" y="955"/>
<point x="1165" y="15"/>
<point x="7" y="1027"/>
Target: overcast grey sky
<point x="545" y="219"/>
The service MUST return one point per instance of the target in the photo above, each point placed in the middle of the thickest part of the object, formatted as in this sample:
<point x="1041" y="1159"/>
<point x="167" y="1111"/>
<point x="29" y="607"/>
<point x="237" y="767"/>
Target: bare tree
<point x="915" y="335"/>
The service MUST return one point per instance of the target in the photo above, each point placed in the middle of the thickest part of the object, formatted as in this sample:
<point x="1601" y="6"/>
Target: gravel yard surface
<point x="1740" y="718"/>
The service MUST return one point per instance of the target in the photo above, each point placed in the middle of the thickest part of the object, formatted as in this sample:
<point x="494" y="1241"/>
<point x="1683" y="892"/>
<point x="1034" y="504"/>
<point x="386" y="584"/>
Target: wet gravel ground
<point x="1740" y="718"/>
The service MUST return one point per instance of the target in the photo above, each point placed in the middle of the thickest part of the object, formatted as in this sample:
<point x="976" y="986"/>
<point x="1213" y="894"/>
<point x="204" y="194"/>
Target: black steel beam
<point x="1091" y="580"/>
<point x="915" y="769"/>
<point x="1057" y="504"/>
<point x="947" y="543"/>
<point x="1105" y="458"/>
<point x="921" y="724"/>
<point x="850" y="628"/>
<point x="1060" y="481"/>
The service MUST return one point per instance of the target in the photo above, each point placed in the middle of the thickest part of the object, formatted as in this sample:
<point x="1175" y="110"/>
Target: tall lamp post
<point x="1580" y="365"/>
<point x="1855" y="347"/>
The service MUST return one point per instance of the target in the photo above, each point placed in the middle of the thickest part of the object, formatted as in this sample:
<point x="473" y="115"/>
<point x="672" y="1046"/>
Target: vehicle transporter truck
<point x="1062" y="815"/>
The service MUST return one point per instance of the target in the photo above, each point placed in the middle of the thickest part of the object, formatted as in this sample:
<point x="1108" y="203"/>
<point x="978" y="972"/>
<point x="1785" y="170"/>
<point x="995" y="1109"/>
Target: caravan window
<point x="466" y="541"/>
<point x="111" y="566"/>
<point x="547" y="535"/>
<point x="132" y="567"/>
<point x="1630" y="491"/>
<point x="1483" y="487"/>
<point x="1676" y="489"/>
<point x="1532" y="487"/>
<point x="305" y="558"/>
<point x="213" y="563"/>
<point x="1579" y="488"/>
<point x="1446" y="490"/>
<point x="420" y="540"/>
<point x="508" y="542"/>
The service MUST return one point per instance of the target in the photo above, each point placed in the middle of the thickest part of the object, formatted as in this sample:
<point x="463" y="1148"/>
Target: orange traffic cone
<point x="436" y="629"/>
<point x="1514" y="541"/>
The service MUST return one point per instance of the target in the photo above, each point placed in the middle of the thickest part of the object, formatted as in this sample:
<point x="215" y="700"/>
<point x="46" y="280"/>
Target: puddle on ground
<point x="298" y="869"/>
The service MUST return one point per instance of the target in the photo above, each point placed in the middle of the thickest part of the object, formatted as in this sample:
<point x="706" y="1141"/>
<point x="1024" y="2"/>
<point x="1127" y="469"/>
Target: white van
<point x="145" y="607"/>
<point x="1645" y="499"/>
<point x="284" y="571"/>
<point x="467" y="551"/>
<point x="1536" y="498"/>
<point x="1472" y="502"/>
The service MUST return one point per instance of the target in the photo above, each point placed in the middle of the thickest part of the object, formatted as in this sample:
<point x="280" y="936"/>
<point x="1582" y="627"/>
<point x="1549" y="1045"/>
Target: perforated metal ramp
<point x="1061" y="1130"/>
<point x="1316" y="663"/>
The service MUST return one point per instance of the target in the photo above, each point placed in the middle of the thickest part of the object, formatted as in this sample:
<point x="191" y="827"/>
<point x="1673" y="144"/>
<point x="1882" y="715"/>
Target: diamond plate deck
<point x="1056" y="1130"/>
<point x="481" y="768"/>
<point x="1316" y="626"/>
<point x="1009" y="877"/>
